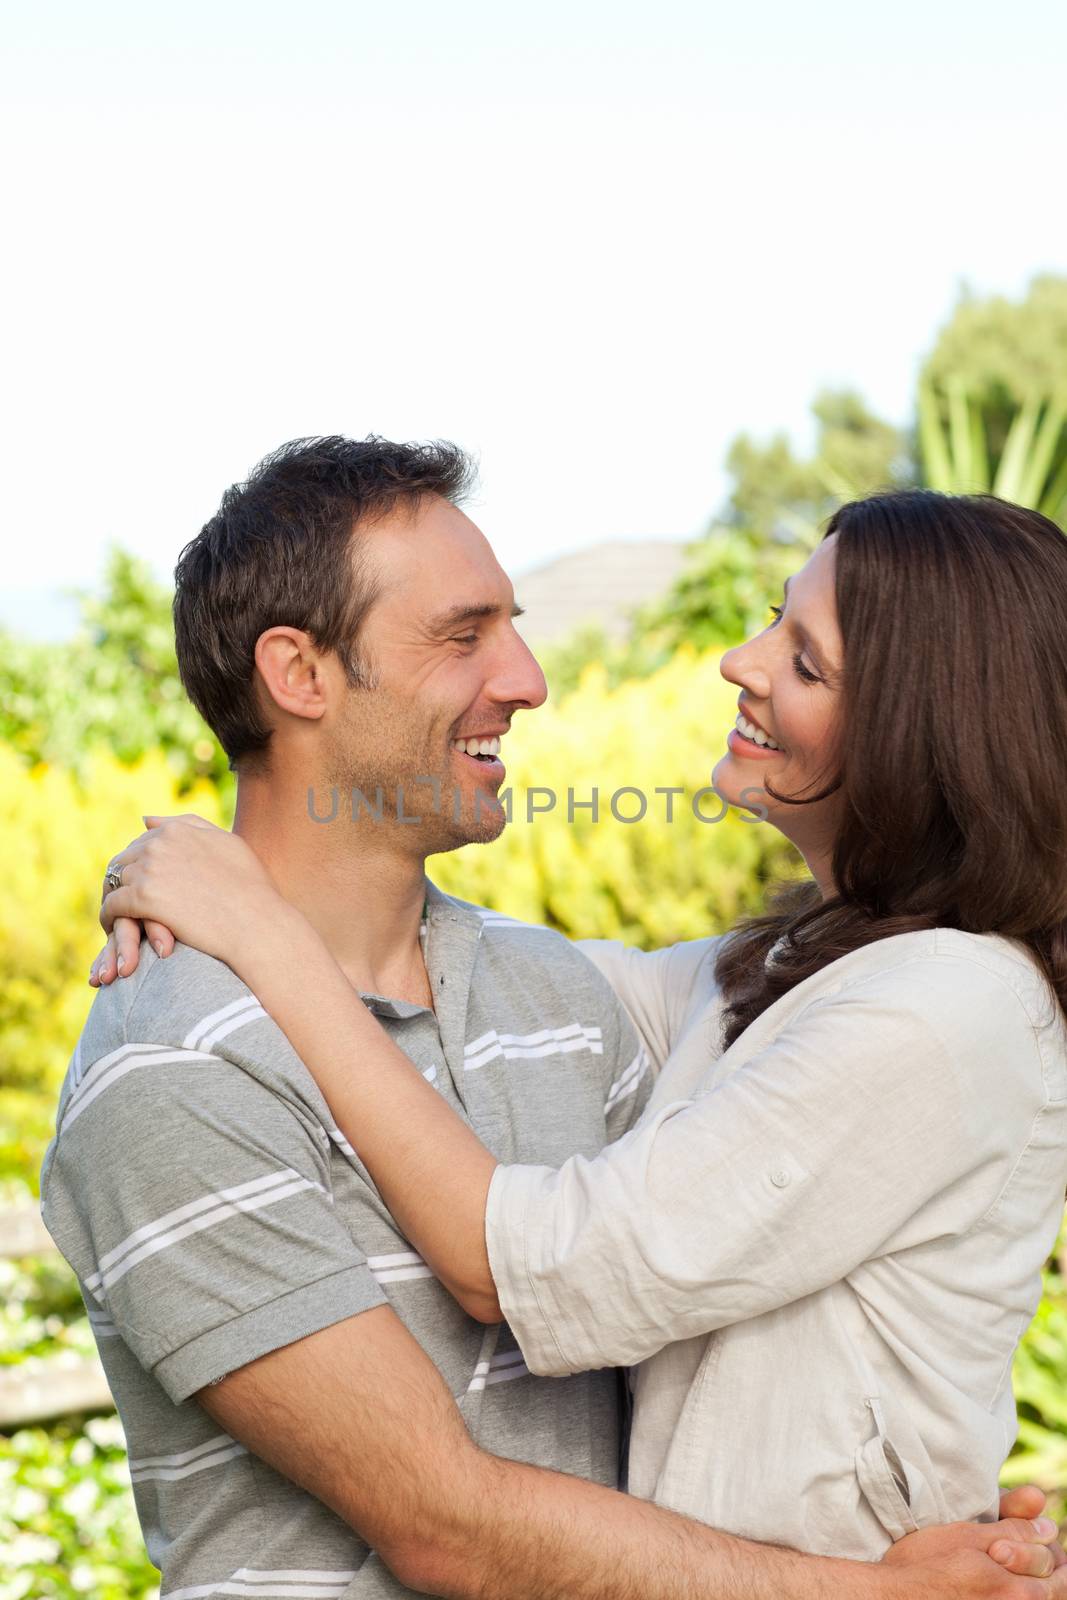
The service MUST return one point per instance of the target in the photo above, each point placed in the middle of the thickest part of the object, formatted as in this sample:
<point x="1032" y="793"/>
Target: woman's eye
<point x="777" y="612"/>
<point x="803" y="672"/>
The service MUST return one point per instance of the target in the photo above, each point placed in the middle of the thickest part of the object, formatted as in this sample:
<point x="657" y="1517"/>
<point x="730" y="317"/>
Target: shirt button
<point x="780" y="1179"/>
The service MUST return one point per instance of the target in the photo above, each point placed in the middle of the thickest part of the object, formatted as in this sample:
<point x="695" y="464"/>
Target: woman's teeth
<point x="477" y="747"/>
<point x="757" y="735"/>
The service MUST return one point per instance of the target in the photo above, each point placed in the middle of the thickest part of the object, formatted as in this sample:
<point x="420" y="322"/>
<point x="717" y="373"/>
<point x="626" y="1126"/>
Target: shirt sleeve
<point x="195" y="1205"/>
<point x="659" y="988"/>
<point x="877" y="1119"/>
<point x="626" y="1064"/>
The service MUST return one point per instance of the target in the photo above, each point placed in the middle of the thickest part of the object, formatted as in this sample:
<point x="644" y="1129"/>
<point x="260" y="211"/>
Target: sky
<point x="589" y="242"/>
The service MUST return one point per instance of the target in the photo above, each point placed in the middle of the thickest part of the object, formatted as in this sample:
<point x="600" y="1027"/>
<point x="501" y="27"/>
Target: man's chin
<point x="484" y="820"/>
<point x="479" y="820"/>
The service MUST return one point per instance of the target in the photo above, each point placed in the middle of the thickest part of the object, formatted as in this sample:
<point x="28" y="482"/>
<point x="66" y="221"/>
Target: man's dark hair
<point x="279" y="552"/>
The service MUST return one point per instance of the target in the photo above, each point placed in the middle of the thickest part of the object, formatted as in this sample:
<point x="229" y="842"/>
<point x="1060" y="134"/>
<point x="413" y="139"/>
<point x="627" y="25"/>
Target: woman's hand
<point x="184" y="879"/>
<point x="122" y="952"/>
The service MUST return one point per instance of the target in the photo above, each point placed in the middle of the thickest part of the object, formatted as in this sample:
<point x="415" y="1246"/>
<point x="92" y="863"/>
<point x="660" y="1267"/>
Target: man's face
<point x="449" y="668"/>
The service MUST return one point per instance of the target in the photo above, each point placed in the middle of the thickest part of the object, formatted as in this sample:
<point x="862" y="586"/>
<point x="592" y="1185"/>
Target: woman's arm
<point x="431" y="1169"/>
<point x="888" y="1113"/>
<point x="211" y="891"/>
<point x="877" y="1100"/>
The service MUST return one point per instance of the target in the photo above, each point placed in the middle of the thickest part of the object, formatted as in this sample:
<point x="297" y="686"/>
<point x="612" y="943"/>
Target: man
<point x="308" y="1412"/>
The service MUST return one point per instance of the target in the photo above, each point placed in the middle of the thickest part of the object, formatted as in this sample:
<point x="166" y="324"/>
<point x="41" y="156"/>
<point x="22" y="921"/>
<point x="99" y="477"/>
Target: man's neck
<point x="364" y="899"/>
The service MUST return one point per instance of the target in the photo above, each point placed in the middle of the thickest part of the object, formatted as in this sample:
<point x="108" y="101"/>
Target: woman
<point x="824" y="1240"/>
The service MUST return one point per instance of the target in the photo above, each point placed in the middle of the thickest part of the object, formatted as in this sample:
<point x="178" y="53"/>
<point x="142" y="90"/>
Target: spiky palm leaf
<point x="957" y="458"/>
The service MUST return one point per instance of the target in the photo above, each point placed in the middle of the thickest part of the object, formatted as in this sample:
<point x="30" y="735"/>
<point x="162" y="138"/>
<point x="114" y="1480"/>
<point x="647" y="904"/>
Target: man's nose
<point x="518" y="677"/>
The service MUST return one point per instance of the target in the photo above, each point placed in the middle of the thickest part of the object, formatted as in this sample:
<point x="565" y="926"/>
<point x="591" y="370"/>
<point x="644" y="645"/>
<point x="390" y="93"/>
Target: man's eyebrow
<point x="457" y="615"/>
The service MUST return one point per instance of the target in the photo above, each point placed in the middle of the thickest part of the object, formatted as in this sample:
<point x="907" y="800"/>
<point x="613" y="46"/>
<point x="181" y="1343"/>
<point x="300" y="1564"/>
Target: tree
<point x="1002" y="349"/>
<point x="776" y="496"/>
<point x="115" y="684"/>
<point x="776" y="509"/>
<point x="992" y="412"/>
<point x="991" y="417"/>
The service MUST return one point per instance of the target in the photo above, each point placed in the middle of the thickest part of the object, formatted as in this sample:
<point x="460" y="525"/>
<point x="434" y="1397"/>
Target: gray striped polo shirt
<point x="213" y="1212"/>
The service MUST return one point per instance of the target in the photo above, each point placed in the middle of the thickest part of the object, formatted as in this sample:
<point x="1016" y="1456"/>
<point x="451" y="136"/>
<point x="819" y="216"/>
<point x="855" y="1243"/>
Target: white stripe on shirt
<point x="213" y="1018"/>
<point x="253" y="1014"/>
<point x="286" y="1583"/>
<point x="499" y="1369"/>
<point x="192" y="1218"/>
<point x="499" y="919"/>
<point x="110" y="1069"/>
<point x="241" y="1013"/>
<point x="530" y="1046"/>
<point x="626" y="1083"/>
<point x="168" y="1469"/>
<point x="400" y="1267"/>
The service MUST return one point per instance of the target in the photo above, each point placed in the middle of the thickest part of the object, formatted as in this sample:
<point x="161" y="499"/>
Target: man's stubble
<point x="377" y="760"/>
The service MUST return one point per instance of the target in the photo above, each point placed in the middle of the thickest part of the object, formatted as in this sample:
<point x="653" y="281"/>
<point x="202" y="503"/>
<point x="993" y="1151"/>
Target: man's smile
<point x="483" y="749"/>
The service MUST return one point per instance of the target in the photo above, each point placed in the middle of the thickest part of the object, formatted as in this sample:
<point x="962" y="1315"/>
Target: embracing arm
<point x="431" y="1169"/>
<point x="691" y="1220"/>
<point x="509" y="1530"/>
<point x="207" y="888"/>
<point x="799" y="1167"/>
<point x="358" y="1416"/>
<point x="881" y="1116"/>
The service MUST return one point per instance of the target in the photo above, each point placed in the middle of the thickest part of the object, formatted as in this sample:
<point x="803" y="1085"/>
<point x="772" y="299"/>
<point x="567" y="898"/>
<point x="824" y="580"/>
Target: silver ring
<point x="112" y="878"/>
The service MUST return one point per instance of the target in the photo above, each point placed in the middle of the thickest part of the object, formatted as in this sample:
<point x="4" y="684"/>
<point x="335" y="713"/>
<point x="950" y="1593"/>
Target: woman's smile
<point x="747" y="738"/>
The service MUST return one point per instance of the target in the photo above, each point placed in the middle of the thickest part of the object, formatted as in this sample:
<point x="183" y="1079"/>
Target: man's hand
<point x="1028" y="1502"/>
<point x="1019" y="1545"/>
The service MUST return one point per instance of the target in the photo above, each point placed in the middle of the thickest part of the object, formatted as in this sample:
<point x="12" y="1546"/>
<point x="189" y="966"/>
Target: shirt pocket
<point x="896" y="1491"/>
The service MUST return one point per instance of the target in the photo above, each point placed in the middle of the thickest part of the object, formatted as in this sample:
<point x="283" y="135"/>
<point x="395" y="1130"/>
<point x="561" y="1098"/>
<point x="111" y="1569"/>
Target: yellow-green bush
<point x="650" y="882"/>
<point x="57" y="834"/>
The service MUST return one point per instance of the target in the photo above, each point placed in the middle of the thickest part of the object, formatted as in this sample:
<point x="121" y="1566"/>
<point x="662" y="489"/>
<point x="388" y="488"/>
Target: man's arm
<point x="358" y="1415"/>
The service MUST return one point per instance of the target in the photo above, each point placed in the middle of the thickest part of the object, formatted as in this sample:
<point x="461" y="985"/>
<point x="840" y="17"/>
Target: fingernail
<point x="1045" y="1528"/>
<point x="157" y="946"/>
<point x="121" y="962"/>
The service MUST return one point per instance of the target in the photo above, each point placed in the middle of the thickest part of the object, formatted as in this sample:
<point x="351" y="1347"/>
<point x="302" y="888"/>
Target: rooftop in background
<point x="599" y="585"/>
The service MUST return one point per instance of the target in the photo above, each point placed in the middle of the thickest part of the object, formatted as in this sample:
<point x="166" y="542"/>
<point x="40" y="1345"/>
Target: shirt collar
<point x="455" y="929"/>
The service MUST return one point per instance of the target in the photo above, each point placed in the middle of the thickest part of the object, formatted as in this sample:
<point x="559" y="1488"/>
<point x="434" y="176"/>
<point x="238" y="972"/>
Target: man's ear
<point x="290" y="669"/>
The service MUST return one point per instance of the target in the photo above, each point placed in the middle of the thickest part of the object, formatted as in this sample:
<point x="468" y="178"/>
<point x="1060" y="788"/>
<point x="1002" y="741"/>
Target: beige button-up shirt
<point x="820" y="1247"/>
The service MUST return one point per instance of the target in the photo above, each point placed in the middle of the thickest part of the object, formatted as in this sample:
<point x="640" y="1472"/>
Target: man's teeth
<point x="757" y="735"/>
<point x="477" y="747"/>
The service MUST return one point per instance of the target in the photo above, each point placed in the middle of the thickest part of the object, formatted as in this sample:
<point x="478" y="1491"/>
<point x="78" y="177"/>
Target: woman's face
<point x="789" y="677"/>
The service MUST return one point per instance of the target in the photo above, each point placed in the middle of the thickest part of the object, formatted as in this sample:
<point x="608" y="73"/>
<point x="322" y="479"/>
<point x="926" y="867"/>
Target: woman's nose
<point x="744" y="666"/>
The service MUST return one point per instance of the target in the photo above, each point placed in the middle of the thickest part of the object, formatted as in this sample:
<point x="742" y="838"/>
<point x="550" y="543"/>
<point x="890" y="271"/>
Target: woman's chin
<point x="727" y="779"/>
<point x="736" y="783"/>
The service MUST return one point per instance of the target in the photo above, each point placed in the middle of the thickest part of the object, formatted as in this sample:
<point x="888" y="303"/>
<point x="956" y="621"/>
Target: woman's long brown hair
<point x="952" y="745"/>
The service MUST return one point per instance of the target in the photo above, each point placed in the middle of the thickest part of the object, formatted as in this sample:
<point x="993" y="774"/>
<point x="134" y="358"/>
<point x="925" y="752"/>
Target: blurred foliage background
<point x="96" y="731"/>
